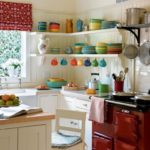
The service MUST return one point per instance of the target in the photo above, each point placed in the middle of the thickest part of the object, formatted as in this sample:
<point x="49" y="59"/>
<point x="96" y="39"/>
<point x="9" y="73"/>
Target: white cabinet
<point x="32" y="135"/>
<point x="32" y="138"/>
<point x="29" y="100"/>
<point x="8" y="139"/>
<point x="74" y="103"/>
<point x="48" y="102"/>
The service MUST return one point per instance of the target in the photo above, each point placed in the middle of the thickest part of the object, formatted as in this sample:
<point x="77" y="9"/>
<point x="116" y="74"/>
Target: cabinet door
<point x="8" y="139"/>
<point x="119" y="145"/>
<point x="126" y="128"/>
<point x="29" y="100"/>
<point x="48" y="102"/>
<point x="32" y="138"/>
<point x="100" y="143"/>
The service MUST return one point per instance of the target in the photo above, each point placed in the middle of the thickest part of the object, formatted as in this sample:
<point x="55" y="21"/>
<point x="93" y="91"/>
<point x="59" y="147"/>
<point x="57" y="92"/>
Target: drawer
<point x="82" y="105"/>
<point x="70" y="123"/>
<point x="101" y="143"/>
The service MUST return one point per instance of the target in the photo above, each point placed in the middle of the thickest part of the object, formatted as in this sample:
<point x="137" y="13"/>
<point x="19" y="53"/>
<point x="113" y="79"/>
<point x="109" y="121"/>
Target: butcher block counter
<point x="26" y="132"/>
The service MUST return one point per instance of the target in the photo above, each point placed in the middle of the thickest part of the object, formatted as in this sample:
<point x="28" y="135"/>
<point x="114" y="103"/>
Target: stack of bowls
<point x="108" y="24"/>
<point x="88" y="49"/>
<point x="55" y="50"/>
<point x="77" y="48"/>
<point x="42" y="26"/>
<point x="95" y="24"/>
<point x="114" y="48"/>
<point x="54" y="27"/>
<point x="101" y="48"/>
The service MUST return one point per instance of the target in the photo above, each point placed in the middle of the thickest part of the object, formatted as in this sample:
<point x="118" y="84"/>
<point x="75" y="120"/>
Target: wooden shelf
<point x="76" y="55"/>
<point x="75" y="33"/>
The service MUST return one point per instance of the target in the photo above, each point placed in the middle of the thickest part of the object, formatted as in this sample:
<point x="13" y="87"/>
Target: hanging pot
<point x="144" y="53"/>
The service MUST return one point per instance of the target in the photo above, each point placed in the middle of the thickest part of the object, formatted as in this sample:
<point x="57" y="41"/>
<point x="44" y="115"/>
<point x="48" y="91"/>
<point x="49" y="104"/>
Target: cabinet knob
<point x="85" y="105"/>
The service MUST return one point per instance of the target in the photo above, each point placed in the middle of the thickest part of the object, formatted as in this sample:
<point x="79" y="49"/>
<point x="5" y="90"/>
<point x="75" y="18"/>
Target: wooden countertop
<point x="28" y="118"/>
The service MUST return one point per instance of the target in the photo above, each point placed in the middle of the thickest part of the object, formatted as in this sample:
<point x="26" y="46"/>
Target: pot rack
<point x="135" y="30"/>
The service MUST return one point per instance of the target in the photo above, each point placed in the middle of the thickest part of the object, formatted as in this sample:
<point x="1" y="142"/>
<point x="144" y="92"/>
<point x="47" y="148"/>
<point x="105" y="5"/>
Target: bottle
<point x="69" y="26"/>
<point x="79" y="25"/>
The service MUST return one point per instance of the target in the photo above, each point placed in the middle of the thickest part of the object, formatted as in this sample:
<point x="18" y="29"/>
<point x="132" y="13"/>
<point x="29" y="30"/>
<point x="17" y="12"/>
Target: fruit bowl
<point x="9" y="100"/>
<point x="56" y="84"/>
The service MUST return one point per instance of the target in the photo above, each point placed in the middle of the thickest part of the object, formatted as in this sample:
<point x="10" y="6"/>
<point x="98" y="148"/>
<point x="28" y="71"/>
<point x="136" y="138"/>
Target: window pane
<point x="10" y="53"/>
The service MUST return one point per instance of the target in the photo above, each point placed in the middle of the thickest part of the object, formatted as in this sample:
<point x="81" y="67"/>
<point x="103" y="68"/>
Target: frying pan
<point x="130" y="50"/>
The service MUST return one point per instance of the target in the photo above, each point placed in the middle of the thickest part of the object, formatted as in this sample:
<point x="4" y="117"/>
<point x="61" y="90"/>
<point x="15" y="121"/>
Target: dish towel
<point x="97" y="109"/>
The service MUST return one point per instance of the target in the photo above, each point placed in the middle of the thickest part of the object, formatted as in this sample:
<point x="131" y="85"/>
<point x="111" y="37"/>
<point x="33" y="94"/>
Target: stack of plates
<point x="88" y="50"/>
<point x="101" y="48"/>
<point x="108" y="24"/>
<point x="95" y="24"/>
<point x="114" y="48"/>
<point x="55" y="50"/>
<point x="54" y="27"/>
<point x="78" y="48"/>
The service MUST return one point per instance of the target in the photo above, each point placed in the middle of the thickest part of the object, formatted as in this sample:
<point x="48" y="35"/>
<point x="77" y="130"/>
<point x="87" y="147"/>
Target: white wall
<point x="85" y="5"/>
<point x="62" y="6"/>
<point x="112" y="11"/>
<point x="59" y="10"/>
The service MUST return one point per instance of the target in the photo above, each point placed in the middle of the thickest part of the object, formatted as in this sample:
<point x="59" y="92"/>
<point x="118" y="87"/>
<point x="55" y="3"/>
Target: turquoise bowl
<point x="88" y="50"/>
<point x="56" y="84"/>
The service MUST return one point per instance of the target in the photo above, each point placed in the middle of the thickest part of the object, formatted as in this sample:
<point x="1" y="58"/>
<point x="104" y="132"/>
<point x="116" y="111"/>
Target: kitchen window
<point x="13" y="54"/>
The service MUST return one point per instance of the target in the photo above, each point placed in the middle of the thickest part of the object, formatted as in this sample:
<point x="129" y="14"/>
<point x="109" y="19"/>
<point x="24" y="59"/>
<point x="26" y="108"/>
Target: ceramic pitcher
<point x="43" y="44"/>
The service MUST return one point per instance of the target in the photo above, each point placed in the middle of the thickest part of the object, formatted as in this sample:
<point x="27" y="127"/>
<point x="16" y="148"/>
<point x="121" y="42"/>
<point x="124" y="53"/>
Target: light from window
<point x="10" y="53"/>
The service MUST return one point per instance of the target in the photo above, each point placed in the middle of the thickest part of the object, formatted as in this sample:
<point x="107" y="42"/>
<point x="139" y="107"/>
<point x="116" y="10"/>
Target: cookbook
<point x="14" y="111"/>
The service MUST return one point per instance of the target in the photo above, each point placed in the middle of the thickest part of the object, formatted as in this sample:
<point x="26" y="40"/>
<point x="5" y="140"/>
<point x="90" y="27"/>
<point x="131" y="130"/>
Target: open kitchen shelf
<point x="135" y="30"/>
<point x="76" y="55"/>
<point x="75" y="33"/>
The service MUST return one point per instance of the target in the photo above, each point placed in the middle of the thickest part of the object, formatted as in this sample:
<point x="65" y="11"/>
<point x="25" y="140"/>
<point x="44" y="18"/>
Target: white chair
<point x="66" y="137"/>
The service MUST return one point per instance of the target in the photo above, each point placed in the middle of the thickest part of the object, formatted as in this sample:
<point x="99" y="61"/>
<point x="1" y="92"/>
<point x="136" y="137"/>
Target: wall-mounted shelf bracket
<point x="134" y="30"/>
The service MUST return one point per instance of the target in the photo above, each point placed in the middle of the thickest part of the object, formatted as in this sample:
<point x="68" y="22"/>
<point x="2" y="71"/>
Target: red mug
<point x="54" y="62"/>
<point x="119" y="86"/>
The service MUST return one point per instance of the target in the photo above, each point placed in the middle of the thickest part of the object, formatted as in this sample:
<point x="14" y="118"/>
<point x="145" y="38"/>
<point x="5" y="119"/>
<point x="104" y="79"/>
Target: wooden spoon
<point x="125" y="72"/>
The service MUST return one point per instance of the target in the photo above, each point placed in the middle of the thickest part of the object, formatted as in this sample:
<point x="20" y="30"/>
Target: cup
<point x="73" y="62"/>
<point x="54" y="62"/>
<point x="119" y="86"/>
<point x="63" y="62"/>
<point x="95" y="63"/>
<point x="103" y="88"/>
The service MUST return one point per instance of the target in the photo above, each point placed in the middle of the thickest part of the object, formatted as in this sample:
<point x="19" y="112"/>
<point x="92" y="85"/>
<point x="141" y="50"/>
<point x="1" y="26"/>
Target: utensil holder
<point x="119" y="86"/>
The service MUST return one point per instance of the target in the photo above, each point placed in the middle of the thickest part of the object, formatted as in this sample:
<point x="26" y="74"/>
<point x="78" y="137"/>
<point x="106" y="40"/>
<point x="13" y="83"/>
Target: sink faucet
<point x="19" y="82"/>
<point x="6" y="83"/>
<point x="0" y="83"/>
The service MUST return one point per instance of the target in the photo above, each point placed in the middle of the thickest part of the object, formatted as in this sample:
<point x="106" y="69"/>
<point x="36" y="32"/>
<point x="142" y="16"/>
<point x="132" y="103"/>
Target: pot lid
<point x="144" y="53"/>
<point x="143" y="97"/>
<point x="124" y="94"/>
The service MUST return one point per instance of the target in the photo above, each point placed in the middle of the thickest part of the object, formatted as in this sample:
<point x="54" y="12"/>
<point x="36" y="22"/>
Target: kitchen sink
<point x="17" y="91"/>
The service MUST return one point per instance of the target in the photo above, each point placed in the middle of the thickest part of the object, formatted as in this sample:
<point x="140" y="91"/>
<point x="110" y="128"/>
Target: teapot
<point x="43" y="44"/>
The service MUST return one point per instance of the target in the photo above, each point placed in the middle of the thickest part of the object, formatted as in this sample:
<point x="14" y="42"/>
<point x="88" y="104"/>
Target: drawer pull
<point x="85" y="105"/>
<point x="73" y="123"/>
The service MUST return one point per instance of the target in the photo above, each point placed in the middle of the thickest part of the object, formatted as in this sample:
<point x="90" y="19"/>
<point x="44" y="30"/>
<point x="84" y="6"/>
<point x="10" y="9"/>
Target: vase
<point x="43" y="44"/>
